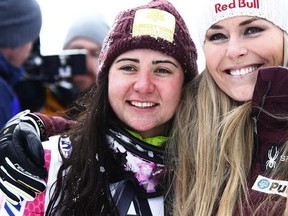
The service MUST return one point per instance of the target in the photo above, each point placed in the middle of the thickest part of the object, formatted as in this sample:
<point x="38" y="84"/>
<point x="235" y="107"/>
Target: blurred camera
<point x="51" y="72"/>
<point x="52" y="68"/>
<point x="64" y="65"/>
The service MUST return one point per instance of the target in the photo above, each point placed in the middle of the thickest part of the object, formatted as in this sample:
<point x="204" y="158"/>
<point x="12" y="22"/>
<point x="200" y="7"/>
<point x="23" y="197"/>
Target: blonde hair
<point x="211" y="149"/>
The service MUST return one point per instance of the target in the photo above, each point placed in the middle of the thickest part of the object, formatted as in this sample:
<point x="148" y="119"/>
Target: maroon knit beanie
<point x="154" y="29"/>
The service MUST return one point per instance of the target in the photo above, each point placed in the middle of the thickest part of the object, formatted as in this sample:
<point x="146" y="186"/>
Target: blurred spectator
<point x="86" y="32"/>
<point x="20" y="24"/>
<point x="30" y="89"/>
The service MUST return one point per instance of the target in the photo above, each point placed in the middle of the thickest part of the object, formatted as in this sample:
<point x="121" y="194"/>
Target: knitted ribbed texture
<point x="20" y="22"/>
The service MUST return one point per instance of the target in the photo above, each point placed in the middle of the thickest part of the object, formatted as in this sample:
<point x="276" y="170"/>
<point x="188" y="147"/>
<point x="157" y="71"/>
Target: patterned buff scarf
<point x="142" y="162"/>
<point x="143" y="170"/>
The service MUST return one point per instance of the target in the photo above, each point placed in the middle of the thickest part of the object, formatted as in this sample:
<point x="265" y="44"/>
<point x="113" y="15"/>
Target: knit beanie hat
<point x="90" y="26"/>
<point x="275" y="11"/>
<point x="20" y="22"/>
<point x="156" y="26"/>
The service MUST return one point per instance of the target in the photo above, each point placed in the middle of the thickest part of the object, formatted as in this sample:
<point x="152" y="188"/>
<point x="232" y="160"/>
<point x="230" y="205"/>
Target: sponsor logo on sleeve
<point x="271" y="186"/>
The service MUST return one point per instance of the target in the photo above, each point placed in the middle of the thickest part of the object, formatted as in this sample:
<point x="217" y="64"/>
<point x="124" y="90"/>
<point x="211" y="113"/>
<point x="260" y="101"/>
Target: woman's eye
<point x="253" y="30"/>
<point x="162" y="71"/>
<point x="218" y="36"/>
<point x="127" y="68"/>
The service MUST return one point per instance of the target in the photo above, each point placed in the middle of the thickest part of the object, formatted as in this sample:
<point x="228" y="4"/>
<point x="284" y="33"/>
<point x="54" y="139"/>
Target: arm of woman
<point x="22" y="165"/>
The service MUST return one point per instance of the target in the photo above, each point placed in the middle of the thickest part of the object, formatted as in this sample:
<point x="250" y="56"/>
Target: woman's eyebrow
<point x="164" y="61"/>
<point x="245" y="22"/>
<point x="128" y="59"/>
<point x="153" y="62"/>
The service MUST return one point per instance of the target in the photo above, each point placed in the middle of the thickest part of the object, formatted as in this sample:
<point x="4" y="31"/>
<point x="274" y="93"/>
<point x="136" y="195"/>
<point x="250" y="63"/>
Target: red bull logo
<point x="236" y="4"/>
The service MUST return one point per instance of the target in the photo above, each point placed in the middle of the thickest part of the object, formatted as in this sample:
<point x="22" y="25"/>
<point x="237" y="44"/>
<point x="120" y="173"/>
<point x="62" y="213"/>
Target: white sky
<point x="58" y="14"/>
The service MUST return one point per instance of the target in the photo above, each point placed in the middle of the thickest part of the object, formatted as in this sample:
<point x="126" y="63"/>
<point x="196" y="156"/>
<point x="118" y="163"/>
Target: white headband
<point x="275" y="11"/>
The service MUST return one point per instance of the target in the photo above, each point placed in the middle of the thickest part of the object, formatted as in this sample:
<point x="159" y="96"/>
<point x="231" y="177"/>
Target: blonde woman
<point x="231" y="127"/>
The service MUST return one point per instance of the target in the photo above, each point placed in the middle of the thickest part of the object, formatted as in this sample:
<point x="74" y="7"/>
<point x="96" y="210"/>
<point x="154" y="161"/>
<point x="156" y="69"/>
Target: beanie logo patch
<point x="155" y="23"/>
<point x="236" y="4"/>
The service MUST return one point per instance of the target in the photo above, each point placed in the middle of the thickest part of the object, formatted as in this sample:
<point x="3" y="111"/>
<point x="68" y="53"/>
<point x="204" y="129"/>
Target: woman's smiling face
<point x="235" y="49"/>
<point x="144" y="90"/>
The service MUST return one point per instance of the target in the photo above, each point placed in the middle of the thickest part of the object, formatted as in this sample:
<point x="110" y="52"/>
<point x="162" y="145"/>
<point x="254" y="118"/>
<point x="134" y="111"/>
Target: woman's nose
<point x="144" y="83"/>
<point x="236" y="49"/>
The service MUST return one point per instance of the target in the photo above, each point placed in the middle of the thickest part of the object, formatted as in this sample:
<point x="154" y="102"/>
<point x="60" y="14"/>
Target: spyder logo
<point x="271" y="162"/>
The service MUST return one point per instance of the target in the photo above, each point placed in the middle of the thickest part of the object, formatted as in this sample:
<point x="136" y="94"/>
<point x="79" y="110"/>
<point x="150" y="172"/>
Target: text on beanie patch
<point x="155" y="23"/>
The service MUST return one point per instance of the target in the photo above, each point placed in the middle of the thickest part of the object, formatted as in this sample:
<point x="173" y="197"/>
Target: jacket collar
<point x="9" y="72"/>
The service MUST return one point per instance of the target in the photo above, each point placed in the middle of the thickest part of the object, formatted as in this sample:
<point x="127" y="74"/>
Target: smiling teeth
<point x="142" y="105"/>
<point x="242" y="71"/>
